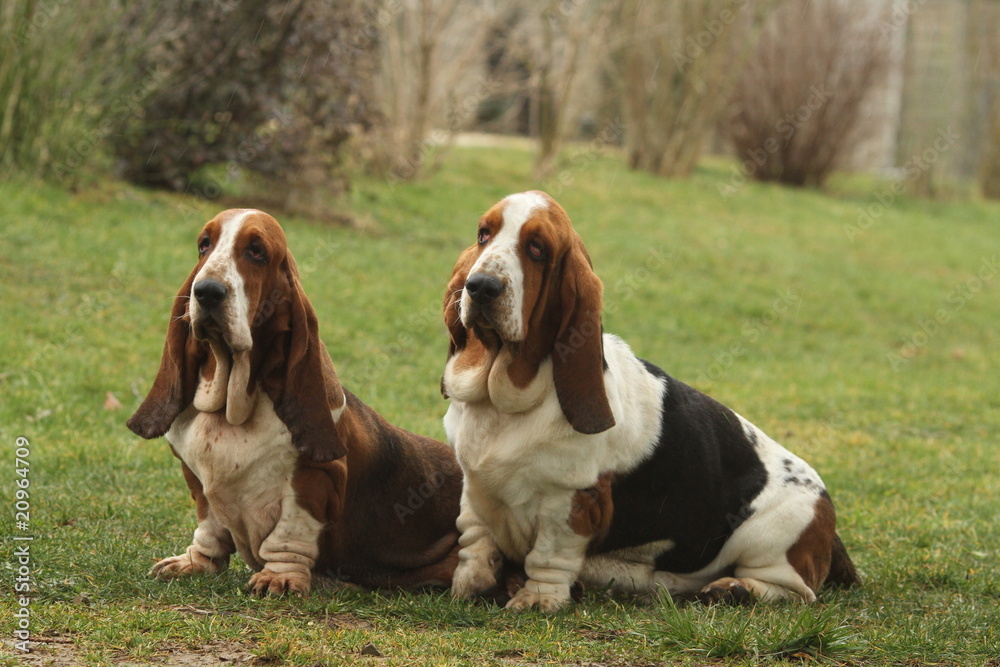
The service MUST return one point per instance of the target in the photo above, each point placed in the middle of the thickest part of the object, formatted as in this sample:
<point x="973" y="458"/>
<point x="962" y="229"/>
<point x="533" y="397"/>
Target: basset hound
<point x="286" y="467"/>
<point x="588" y="464"/>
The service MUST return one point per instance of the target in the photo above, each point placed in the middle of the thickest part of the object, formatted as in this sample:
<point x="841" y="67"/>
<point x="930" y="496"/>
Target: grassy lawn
<point x="870" y="350"/>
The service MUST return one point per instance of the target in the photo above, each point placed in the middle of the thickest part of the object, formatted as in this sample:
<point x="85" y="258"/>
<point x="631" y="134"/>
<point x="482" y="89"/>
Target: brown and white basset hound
<point x="286" y="466"/>
<point x="588" y="464"/>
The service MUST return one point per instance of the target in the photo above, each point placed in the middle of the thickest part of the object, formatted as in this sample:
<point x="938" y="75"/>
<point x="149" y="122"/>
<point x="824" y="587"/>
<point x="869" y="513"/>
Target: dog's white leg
<point x="555" y="559"/>
<point x="678" y="584"/>
<point x="208" y="554"/>
<point x="289" y="552"/>
<point x="766" y="584"/>
<point x="479" y="558"/>
<point x="212" y="543"/>
<point x="617" y="575"/>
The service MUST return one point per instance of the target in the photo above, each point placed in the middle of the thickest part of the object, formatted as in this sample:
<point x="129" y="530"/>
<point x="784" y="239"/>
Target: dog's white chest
<point x="221" y="453"/>
<point x="244" y="470"/>
<point x="533" y="449"/>
<point x="517" y="468"/>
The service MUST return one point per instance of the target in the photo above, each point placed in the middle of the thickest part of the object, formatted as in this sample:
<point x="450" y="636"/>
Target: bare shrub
<point x="558" y="42"/>
<point x="273" y="88"/>
<point x="990" y="174"/>
<point x="986" y="41"/>
<point x="798" y="108"/>
<point x="677" y="61"/>
<point x="431" y="77"/>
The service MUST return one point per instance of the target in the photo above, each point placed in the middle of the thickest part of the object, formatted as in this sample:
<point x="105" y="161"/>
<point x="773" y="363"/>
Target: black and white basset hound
<point x="586" y="463"/>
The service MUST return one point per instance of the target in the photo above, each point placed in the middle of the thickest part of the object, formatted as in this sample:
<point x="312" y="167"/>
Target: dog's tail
<point x="842" y="570"/>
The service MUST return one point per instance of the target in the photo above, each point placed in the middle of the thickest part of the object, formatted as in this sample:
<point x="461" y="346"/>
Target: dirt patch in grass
<point x="346" y="621"/>
<point x="216" y="652"/>
<point x="64" y="652"/>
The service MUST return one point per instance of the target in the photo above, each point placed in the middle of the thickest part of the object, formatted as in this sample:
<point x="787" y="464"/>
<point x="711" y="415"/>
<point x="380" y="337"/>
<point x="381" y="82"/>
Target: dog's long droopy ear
<point x="310" y="387"/>
<point x="578" y="354"/>
<point x="176" y="382"/>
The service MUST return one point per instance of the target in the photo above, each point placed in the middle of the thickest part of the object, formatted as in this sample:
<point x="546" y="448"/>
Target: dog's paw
<point x="548" y="598"/>
<point x="472" y="578"/>
<point x="188" y="563"/>
<point x="267" y="582"/>
<point x="726" y="591"/>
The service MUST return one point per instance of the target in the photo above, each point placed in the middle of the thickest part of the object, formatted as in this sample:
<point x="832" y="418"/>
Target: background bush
<point x="196" y="95"/>
<point x="273" y="88"/>
<point x="799" y="106"/>
<point x="677" y="65"/>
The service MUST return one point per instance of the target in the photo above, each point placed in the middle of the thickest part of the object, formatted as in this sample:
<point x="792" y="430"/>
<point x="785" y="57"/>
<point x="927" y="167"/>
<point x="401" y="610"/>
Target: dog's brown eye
<point x="535" y="250"/>
<point x="203" y="245"/>
<point x="484" y="235"/>
<point x="256" y="252"/>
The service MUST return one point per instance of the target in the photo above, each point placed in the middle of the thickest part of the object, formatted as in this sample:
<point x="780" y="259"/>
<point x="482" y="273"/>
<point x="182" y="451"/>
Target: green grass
<point x="761" y="299"/>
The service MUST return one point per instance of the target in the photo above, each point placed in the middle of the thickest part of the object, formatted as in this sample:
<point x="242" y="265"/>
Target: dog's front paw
<point x="188" y="563"/>
<point x="549" y="598"/>
<point x="267" y="582"/>
<point x="472" y="578"/>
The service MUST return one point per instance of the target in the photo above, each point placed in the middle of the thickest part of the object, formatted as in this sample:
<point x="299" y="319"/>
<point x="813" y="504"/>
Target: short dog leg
<point x="289" y="552"/>
<point x="479" y="558"/>
<point x="212" y="544"/>
<point x="553" y="563"/>
<point x="208" y="554"/>
<point x="764" y="584"/>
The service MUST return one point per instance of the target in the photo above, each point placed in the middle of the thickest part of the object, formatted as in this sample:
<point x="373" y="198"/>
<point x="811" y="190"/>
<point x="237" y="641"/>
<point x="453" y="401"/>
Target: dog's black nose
<point x="210" y="293"/>
<point x="483" y="287"/>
